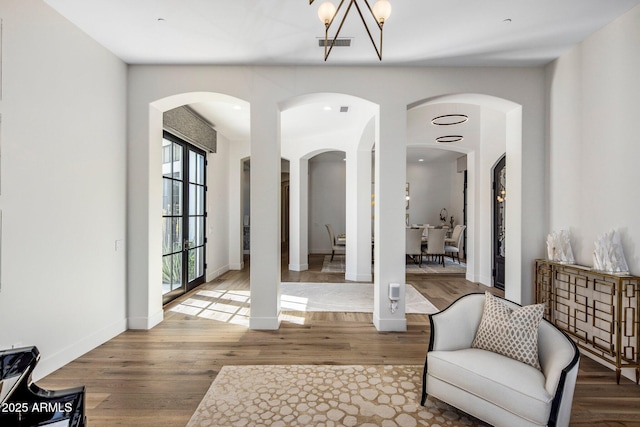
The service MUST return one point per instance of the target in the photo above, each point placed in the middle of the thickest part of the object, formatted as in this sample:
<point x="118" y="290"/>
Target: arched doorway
<point x="319" y="123"/>
<point x="197" y="253"/>
<point x="493" y="128"/>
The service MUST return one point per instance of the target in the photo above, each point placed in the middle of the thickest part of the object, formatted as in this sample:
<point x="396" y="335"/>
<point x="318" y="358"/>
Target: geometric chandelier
<point x="327" y="13"/>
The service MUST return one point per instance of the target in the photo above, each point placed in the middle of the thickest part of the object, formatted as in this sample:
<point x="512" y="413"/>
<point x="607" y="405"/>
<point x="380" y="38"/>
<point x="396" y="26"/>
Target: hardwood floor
<point x="158" y="377"/>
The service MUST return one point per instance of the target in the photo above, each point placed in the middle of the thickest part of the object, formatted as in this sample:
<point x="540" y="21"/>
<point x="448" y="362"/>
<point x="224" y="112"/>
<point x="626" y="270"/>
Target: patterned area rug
<point x="322" y="395"/>
<point x="450" y="267"/>
<point x="344" y="297"/>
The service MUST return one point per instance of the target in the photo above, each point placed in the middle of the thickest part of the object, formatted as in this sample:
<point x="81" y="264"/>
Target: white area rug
<point x="234" y="305"/>
<point x="322" y="395"/>
<point x="344" y="297"/>
<point x="431" y="267"/>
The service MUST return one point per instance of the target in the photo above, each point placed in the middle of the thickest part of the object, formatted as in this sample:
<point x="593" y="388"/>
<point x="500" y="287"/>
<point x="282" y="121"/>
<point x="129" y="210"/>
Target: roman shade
<point x="188" y="125"/>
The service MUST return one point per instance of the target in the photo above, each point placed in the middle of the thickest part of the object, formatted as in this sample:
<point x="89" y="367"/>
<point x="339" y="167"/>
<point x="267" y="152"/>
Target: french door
<point x="183" y="216"/>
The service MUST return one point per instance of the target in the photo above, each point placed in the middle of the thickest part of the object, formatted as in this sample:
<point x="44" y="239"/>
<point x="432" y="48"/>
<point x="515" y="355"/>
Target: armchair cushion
<point x="493" y="376"/>
<point x="492" y="387"/>
<point x="510" y="332"/>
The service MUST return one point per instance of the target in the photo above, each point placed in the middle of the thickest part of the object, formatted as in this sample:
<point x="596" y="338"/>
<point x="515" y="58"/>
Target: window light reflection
<point x="233" y="306"/>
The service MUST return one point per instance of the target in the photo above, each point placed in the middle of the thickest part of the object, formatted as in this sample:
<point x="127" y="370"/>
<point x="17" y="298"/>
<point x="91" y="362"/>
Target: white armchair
<point x="492" y="387"/>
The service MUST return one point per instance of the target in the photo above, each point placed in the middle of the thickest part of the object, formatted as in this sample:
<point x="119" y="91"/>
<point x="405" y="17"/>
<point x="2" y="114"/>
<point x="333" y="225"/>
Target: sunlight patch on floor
<point x="293" y="303"/>
<point x="234" y="307"/>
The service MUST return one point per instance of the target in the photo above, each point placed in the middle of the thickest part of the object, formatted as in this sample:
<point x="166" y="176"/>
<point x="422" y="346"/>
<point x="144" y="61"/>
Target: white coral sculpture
<point x="559" y="247"/>
<point x="608" y="255"/>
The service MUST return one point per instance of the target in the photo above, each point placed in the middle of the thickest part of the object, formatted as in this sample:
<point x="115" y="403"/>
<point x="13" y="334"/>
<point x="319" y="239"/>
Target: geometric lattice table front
<point x="600" y="311"/>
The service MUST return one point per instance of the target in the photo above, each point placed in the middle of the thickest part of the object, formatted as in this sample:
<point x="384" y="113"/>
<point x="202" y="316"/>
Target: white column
<point x="358" y="216"/>
<point x="518" y="267"/>
<point x="390" y="171"/>
<point x="473" y="220"/>
<point x="144" y="252"/>
<point x="265" y="214"/>
<point x="298" y="214"/>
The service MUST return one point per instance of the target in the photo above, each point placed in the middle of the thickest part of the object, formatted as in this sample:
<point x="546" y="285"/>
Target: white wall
<point x="431" y="187"/>
<point x="239" y="199"/>
<point x="217" y="230"/>
<point x="63" y="186"/>
<point x="457" y="194"/>
<point x="327" y="202"/>
<point x="593" y="93"/>
<point x="266" y="87"/>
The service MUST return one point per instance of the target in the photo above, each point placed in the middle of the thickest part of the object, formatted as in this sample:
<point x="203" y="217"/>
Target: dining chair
<point x="454" y="244"/>
<point x="435" y="244"/>
<point x="413" y="243"/>
<point x="335" y="245"/>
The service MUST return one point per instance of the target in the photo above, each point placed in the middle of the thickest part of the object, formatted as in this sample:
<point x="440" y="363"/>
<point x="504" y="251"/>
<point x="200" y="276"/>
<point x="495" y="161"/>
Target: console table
<point x="600" y="311"/>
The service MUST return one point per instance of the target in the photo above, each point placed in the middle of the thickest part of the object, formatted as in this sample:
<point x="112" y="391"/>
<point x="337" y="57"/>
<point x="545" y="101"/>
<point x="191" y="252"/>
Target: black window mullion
<point x="185" y="215"/>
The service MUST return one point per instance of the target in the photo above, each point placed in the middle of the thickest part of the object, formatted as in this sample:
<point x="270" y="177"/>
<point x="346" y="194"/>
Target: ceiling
<point x="286" y="32"/>
<point x="418" y="32"/>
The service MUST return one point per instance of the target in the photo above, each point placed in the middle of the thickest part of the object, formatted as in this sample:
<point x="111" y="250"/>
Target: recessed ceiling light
<point x="327" y="108"/>
<point x="237" y="107"/>
<point x="449" y="138"/>
<point x="449" y="119"/>
<point x="421" y="160"/>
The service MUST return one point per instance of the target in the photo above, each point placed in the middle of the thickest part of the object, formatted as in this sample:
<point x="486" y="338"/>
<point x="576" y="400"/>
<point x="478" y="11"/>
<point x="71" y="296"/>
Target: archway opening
<point x="491" y="128"/>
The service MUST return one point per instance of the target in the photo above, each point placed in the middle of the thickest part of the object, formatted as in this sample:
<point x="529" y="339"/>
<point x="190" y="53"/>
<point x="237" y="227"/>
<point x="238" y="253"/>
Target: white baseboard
<point x="298" y="267"/>
<point x="145" y="323"/>
<point x="217" y="273"/>
<point x="50" y="363"/>
<point x="367" y="278"/>
<point x="264" y="323"/>
<point x="389" y="325"/>
<point x="238" y="266"/>
<point x="483" y="280"/>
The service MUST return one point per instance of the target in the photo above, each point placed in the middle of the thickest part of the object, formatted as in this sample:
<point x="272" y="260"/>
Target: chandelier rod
<point x="327" y="25"/>
<point x="378" y="52"/>
<point x="379" y="23"/>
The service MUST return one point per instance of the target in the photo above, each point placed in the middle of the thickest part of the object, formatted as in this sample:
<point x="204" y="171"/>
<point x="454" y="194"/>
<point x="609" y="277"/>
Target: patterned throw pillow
<point x="512" y="333"/>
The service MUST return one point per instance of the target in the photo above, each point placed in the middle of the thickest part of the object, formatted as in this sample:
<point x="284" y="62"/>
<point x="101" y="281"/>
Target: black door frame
<point x="185" y="245"/>
<point x="498" y="226"/>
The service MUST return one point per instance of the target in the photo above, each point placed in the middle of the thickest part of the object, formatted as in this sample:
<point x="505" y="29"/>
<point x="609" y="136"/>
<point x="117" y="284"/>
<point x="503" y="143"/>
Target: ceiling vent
<point x="344" y="109"/>
<point x="338" y="43"/>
